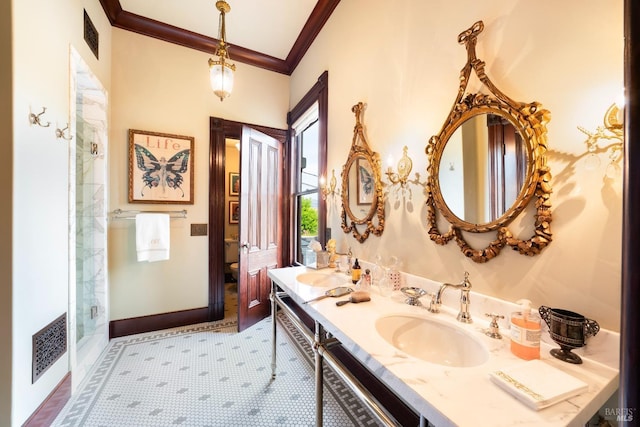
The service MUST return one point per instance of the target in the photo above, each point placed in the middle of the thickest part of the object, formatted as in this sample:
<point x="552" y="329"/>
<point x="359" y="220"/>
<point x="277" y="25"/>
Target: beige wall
<point x="162" y="87"/>
<point x="42" y="34"/>
<point x="404" y="64"/>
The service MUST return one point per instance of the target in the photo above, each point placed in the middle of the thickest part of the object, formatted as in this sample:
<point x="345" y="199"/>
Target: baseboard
<point x="156" y="322"/>
<point x="52" y="405"/>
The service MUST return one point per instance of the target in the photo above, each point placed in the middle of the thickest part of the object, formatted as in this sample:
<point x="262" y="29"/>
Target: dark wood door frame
<point x="630" y="313"/>
<point x="219" y="130"/>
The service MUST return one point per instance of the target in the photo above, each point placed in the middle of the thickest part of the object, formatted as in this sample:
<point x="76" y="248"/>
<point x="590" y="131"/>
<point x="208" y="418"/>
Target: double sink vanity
<point x="438" y="366"/>
<point x="435" y="358"/>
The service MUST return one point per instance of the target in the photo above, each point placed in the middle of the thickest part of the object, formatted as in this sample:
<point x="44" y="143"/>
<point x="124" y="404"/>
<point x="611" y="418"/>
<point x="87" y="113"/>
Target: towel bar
<point x="120" y="214"/>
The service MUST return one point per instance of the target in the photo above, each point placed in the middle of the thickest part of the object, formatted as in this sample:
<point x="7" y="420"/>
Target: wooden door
<point x="260" y="228"/>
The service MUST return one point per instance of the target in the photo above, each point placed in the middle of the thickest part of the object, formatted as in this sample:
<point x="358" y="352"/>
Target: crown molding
<point x="120" y="18"/>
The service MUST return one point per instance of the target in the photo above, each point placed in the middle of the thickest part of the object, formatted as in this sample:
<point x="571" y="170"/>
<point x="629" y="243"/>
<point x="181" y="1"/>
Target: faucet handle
<point x="434" y="307"/>
<point x="466" y="283"/>
<point x="494" y="328"/>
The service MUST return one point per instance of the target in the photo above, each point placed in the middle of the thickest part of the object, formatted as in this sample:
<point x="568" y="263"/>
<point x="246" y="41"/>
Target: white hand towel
<point x="152" y="237"/>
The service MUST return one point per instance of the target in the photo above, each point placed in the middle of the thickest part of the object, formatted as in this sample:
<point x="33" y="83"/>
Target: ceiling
<point x="273" y="34"/>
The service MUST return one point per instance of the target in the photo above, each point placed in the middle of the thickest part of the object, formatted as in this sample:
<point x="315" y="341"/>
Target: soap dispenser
<point x="525" y="332"/>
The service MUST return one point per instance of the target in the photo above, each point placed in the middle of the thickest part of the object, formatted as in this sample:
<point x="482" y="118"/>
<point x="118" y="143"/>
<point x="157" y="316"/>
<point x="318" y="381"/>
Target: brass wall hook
<point x="60" y="133"/>
<point x="34" y="119"/>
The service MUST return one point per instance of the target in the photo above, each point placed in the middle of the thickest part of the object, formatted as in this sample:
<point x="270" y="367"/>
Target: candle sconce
<point x="404" y="166"/>
<point x="613" y="131"/>
<point x="400" y="179"/>
<point x="34" y="119"/>
<point x="330" y="190"/>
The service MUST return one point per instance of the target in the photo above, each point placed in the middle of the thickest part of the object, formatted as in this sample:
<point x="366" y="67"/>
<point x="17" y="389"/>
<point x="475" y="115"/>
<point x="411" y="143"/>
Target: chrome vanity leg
<point x="317" y="349"/>
<point x="273" y="329"/>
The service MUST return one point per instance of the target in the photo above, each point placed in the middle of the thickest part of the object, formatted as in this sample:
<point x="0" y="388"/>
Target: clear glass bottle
<point x="385" y="287"/>
<point x="364" y="284"/>
<point x="378" y="271"/>
<point x="394" y="273"/>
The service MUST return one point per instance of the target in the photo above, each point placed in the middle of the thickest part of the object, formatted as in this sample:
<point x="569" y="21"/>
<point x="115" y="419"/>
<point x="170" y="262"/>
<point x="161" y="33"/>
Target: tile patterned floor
<point x="208" y="375"/>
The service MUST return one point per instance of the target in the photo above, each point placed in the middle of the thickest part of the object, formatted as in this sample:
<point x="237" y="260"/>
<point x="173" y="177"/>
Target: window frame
<point x="317" y="94"/>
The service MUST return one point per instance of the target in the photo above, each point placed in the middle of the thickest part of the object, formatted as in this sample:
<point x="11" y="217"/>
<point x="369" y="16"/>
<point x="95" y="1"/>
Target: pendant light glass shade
<point x="221" y="72"/>
<point x="221" y="75"/>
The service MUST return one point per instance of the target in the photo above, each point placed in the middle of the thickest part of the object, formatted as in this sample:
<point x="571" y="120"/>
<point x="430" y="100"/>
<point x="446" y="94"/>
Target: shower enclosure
<point x="88" y="301"/>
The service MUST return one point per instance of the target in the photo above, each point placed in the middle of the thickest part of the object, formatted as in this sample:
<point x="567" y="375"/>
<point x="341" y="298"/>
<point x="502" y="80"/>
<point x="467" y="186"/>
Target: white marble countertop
<point x="454" y="396"/>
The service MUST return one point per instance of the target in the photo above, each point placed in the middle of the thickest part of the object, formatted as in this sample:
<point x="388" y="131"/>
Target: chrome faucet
<point x="465" y="287"/>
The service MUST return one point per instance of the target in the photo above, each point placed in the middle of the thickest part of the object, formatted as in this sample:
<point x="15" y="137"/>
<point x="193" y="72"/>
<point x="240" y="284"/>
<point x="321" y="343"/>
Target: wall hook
<point x="94" y="150"/>
<point x="60" y="133"/>
<point x="34" y="119"/>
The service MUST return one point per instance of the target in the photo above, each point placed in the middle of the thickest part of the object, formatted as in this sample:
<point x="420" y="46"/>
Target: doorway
<point x="220" y="131"/>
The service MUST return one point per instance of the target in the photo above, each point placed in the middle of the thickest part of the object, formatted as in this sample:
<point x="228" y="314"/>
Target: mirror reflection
<point x="361" y="188"/>
<point x="487" y="158"/>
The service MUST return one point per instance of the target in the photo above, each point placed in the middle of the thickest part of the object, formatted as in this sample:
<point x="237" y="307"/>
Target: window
<point x="305" y="194"/>
<point x="307" y="155"/>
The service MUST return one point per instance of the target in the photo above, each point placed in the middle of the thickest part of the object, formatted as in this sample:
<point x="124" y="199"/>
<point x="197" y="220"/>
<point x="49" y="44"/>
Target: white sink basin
<point x="322" y="279"/>
<point x="432" y="341"/>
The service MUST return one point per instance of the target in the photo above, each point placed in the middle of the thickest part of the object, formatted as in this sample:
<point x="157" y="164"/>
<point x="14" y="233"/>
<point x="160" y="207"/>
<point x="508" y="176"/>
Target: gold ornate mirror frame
<point x="372" y="222"/>
<point x="530" y="121"/>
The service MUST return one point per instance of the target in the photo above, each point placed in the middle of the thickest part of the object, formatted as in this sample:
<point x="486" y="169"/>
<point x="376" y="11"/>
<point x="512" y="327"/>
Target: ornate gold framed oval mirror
<point x="362" y="201"/>
<point x="492" y="148"/>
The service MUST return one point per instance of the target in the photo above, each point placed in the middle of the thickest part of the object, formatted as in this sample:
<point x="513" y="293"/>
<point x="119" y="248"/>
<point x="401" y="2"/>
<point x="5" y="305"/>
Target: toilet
<point x="234" y="270"/>
<point x="231" y="256"/>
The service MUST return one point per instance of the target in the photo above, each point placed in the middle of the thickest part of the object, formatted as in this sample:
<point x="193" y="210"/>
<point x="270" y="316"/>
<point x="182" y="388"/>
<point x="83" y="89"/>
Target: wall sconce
<point x="220" y="70"/>
<point x="401" y="177"/>
<point x="404" y="167"/>
<point x="613" y="131"/>
<point x="331" y="190"/>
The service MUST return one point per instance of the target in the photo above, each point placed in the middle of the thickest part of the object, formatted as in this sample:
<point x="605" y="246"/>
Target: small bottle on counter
<point x="525" y="332"/>
<point x="364" y="284"/>
<point x="356" y="272"/>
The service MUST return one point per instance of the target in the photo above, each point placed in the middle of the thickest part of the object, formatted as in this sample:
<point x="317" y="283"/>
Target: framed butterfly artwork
<point x="160" y="168"/>
<point x="365" y="185"/>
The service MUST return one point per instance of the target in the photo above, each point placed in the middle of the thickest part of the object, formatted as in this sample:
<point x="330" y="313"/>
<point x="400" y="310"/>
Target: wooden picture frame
<point x="234" y="184"/>
<point x="160" y="168"/>
<point x="234" y="212"/>
<point x="365" y="187"/>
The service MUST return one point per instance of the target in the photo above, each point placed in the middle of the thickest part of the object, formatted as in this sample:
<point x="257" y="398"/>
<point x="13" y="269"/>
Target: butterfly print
<point x="366" y="180"/>
<point x="163" y="173"/>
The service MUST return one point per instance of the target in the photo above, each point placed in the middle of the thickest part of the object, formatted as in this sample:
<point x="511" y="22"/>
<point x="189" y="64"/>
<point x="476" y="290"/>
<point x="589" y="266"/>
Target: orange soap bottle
<point x="525" y="332"/>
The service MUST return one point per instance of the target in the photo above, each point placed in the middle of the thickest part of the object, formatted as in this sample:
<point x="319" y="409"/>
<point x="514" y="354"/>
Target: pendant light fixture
<point x="220" y="70"/>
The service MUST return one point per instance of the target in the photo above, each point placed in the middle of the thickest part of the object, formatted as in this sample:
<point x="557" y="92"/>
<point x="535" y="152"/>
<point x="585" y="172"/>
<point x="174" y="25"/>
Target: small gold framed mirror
<point x="362" y="200"/>
<point x="493" y="148"/>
